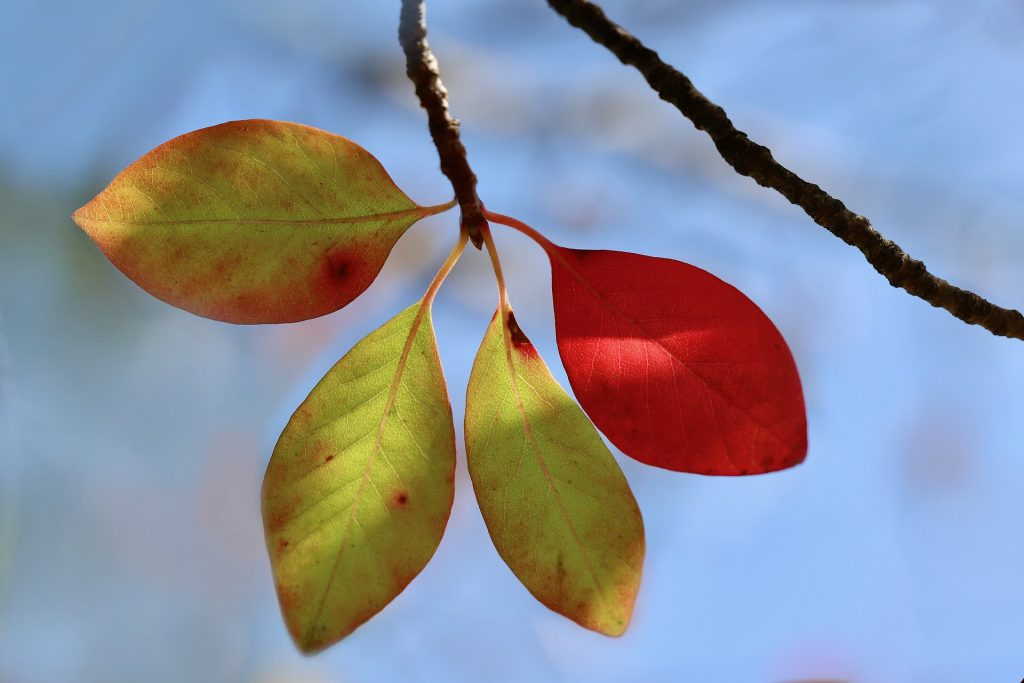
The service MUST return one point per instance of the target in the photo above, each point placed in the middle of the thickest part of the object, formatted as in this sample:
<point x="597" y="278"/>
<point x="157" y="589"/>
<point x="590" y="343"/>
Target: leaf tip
<point x="85" y="218"/>
<point x="609" y="617"/>
<point x="80" y="219"/>
<point x="616" y="629"/>
<point x="310" y="637"/>
<point x="309" y="646"/>
<point x="610" y="624"/>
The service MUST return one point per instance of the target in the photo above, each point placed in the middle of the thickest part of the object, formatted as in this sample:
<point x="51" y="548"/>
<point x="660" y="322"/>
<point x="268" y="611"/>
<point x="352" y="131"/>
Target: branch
<point x="421" y="66"/>
<point x="751" y="159"/>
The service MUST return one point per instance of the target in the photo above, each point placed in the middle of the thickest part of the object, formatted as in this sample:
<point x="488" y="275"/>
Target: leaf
<point x="556" y="504"/>
<point x="679" y="369"/>
<point x="252" y="221"/>
<point x="360" y="485"/>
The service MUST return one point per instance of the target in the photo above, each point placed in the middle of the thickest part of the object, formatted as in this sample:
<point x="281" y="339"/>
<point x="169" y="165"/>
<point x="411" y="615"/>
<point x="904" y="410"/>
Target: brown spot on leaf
<point x="519" y="339"/>
<point x="401" y="498"/>
<point x="338" y="264"/>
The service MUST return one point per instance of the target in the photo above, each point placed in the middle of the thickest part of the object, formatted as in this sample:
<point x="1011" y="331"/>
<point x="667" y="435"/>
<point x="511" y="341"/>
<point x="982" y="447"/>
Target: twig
<point x="421" y="66"/>
<point x="751" y="159"/>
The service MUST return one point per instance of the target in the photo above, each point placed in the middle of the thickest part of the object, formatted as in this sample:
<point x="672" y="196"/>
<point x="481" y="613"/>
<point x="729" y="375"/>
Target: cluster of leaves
<point x="270" y="222"/>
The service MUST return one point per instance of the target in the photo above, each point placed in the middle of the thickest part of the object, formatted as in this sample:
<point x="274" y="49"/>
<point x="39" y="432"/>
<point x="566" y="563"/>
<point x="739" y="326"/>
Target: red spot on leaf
<point x="678" y="368"/>
<point x="338" y="264"/>
<point x="319" y="453"/>
<point x="280" y="518"/>
<point x="401" y="498"/>
<point x="344" y="274"/>
<point x="303" y="413"/>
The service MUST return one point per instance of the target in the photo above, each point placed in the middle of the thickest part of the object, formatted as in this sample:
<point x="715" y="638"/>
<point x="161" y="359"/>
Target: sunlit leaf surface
<point x="555" y="501"/>
<point x="360" y="485"/>
<point x="252" y="221"/>
<point x="678" y="368"/>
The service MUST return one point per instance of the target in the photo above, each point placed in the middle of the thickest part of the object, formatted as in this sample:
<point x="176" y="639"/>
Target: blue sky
<point x="135" y="435"/>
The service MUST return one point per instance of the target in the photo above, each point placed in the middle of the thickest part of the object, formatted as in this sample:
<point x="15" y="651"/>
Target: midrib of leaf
<point x="421" y="211"/>
<point x="710" y="388"/>
<point x="532" y="439"/>
<point x="353" y="510"/>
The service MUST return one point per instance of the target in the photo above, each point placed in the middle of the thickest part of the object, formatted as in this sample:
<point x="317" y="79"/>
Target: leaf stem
<point x="492" y="251"/>
<point x="446" y="267"/>
<point x="440" y="208"/>
<point x="516" y="224"/>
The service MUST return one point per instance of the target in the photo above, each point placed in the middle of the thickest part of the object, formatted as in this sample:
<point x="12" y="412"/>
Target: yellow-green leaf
<point x="556" y="504"/>
<point x="252" y="221"/>
<point x="360" y="485"/>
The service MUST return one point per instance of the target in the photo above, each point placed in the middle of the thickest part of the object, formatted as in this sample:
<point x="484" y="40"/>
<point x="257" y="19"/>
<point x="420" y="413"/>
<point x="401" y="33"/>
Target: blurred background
<point x="133" y="436"/>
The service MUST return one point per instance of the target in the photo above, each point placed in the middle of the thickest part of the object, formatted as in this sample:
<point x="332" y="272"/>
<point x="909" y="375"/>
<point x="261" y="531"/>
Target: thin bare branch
<point x="755" y="161"/>
<point x="421" y="66"/>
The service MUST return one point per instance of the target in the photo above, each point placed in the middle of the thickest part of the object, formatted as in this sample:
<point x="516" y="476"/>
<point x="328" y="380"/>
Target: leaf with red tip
<point x="252" y="221"/>
<point x="679" y="369"/>
<point x="360" y="485"/>
<point x="556" y="504"/>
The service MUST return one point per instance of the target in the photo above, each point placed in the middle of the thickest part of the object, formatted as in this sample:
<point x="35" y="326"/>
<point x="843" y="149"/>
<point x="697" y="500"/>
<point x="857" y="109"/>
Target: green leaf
<point x="252" y="221"/>
<point x="360" y="485"/>
<point x="556" y="504"/>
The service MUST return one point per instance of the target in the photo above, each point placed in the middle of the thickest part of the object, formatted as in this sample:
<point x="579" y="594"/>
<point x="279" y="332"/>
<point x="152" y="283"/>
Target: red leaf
<point x="678" y="368"/>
